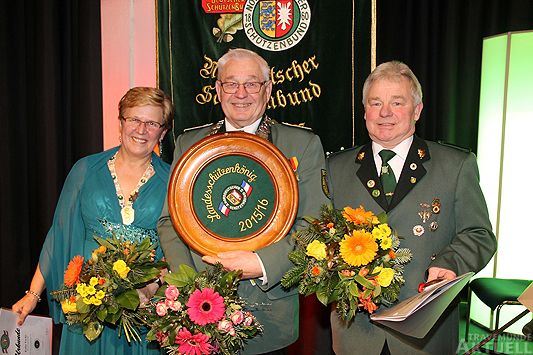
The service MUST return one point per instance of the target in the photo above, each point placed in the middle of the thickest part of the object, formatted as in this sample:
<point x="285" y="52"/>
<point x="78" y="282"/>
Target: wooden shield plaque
<point x="232" y="191"/>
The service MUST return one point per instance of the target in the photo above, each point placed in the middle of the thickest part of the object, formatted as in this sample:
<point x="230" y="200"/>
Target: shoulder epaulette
<point x="297" y="125"/>
<point x="342" y="150"/>
<point x="197" y="127"/>
<point x="446" y="144"/>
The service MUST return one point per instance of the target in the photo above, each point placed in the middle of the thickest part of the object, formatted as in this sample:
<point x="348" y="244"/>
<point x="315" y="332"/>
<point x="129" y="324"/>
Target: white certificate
<point x="33" y="337"/>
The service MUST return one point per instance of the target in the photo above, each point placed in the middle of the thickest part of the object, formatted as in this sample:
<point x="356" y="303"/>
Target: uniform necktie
<point x="388" y="180"/>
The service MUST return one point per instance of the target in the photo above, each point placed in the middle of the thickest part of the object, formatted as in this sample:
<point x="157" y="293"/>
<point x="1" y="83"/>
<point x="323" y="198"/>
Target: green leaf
<point x="182" y="277"/>
<point x="322" y="296"/>
<point x="364" y="282"/>
<point x="101" y="313"/>
<point x="377" y="290"/>
<point x="292" y="276"/>
<point x="128" y="299"/>
<point x="93" y="330"/>
<point x="354" y="290"/>
<point x="105" y="242"/>
<point x="144" y="244"/>
<point x="298" y="257"/>
<point x="309" y="219"/>
<point x="382" y="218"/>
<point x="112" y="308"/>
<point x="113" y="317"/>
<point x="149" y="273"/>
<point x="81" y="306"/>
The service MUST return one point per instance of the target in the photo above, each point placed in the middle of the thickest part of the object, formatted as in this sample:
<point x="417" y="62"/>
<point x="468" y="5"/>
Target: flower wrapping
<point x="348" y="257"/>
<point x="200" y="313"/>
<point x="103" y="289"/>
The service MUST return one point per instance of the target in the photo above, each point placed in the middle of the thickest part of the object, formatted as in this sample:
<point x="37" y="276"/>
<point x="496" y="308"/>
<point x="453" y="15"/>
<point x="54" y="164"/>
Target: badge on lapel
<point x="428" y="214"/>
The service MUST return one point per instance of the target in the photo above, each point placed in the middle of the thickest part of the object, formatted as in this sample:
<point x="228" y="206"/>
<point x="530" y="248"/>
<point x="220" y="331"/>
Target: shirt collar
<point x="401" y="149"/>
<point x="248" y="129"/>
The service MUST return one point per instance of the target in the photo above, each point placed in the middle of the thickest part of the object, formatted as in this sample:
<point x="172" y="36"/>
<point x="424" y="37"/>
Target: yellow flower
<point x="385" y="276"/>
<point x="90" y="290"/>
<point x="86" y="300"/>
<point x="82" y="289"/>
<point x="68" y="307"/>
<point x="385" y="229"/>
<point x="121" y="268"/>
<point x="100" y="294"/>
<point x="93" y="281"/>
<point x="377" y="233"/>
<point x="386" y="243"/>
<point x="359" y="248"/>
<point x="95" y="301"/>
<point x="317" y="250"/>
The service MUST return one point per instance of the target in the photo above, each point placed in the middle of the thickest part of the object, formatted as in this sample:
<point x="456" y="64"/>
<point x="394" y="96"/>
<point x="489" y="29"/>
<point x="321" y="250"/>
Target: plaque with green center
<point x="234" y="197"/>
<point x="232" y="191"/>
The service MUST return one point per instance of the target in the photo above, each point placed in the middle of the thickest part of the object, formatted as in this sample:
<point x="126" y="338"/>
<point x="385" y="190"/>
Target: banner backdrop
<point x="309" y="45"/>
<point x="319" y="54"/>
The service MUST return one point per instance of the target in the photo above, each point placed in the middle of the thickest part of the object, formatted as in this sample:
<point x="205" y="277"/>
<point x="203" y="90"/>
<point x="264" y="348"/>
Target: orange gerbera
<point x="358" y="216"/>
<point x="72" y="274"/>
<point x="359" y="248"/>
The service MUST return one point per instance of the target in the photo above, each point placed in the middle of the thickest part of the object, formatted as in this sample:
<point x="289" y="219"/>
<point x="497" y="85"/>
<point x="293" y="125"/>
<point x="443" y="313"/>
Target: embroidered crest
<point x="324" y="181"/>
<point x="276" y="25"/>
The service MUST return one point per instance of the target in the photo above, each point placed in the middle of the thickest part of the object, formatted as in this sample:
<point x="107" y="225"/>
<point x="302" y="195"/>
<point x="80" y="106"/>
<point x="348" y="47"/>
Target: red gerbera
<point x="72" y="274"/>
<point x="197" y="344"/>
<point x="205" y="306"/>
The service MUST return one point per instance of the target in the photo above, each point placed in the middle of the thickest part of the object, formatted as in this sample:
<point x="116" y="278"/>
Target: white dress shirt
<point x="397" y="162"/>
<point x="249" y="129"/>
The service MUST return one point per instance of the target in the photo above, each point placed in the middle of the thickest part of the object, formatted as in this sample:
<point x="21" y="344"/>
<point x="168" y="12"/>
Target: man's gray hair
<point x="394" y="70"/>
<point x="240" y="54"/>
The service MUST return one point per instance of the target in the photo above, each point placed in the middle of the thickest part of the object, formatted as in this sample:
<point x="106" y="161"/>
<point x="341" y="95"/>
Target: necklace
<point x="126" y="205"/>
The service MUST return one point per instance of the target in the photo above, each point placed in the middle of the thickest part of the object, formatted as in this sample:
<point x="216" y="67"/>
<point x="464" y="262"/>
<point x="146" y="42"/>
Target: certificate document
<point x="33" y="337"/>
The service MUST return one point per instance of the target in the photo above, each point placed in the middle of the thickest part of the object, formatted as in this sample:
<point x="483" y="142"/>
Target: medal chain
<point x="148" y="173"/>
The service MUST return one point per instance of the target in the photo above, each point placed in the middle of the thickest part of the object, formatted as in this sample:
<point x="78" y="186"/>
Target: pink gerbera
<point x="205" y="306"/>
<point x="197" y="344"/>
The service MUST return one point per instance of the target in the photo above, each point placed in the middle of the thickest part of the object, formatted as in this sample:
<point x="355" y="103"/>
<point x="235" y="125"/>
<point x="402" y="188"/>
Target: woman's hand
<point x="25" y="306"/>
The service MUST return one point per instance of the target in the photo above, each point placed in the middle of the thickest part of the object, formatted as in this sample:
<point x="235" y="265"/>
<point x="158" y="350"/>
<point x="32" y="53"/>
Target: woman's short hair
<point x="145" y="96"/>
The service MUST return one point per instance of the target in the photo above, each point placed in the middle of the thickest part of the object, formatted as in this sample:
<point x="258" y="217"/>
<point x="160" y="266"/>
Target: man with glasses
<point x="244" y="89"/>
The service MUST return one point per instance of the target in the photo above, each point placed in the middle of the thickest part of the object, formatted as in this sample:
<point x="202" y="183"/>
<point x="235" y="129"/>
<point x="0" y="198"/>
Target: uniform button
<point x="434" y="256"/>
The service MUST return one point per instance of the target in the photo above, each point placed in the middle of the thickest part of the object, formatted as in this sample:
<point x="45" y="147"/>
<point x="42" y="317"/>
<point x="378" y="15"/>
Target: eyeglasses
<point x="251" y="87"/>
<point x="135" y="122"/>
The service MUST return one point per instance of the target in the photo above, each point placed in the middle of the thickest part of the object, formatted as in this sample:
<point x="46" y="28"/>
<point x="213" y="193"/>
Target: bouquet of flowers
<point x="200" y="313"/>
<point x="350" y="257"/>
<point x="103" y="289"/>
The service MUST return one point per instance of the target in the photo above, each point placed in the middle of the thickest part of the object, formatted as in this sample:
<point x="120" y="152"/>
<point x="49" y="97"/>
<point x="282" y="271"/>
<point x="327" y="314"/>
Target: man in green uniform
<point x="244" y="88"/>
<point x="432" y="196"/>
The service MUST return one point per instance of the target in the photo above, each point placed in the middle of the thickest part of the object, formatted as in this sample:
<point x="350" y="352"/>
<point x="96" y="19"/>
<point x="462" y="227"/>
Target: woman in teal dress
<point x="120" y="191"/>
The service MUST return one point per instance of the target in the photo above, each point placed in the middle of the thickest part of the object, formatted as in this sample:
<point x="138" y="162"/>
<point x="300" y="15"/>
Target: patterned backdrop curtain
<point x="316" y="54"/>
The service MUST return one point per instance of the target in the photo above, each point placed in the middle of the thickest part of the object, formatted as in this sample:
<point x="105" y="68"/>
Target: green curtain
<point x="315" y="80"/>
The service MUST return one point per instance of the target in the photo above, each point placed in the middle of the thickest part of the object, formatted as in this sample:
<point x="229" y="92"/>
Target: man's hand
<point x="146" y="293"/>
<point x="440" y="273"/>
<point x="246" y="261"/>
